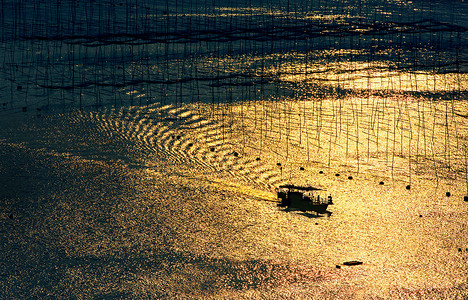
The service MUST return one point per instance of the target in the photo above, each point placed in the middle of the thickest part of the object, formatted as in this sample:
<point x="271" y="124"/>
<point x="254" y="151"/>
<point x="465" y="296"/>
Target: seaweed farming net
<point x="368" y="78"/>
<point x="208" y="47"/>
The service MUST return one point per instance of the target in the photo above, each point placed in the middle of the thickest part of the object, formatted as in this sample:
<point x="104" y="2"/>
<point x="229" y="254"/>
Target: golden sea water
<point x="141" y="146"/>
<point x="155" y="199"/>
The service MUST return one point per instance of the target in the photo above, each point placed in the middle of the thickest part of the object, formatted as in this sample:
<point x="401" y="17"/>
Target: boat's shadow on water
<point x="311" y="215"/>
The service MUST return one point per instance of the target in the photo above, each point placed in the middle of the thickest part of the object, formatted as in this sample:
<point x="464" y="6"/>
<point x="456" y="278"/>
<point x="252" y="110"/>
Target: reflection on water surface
<point x="141" y="144"/>
<point x="140" y="192"/>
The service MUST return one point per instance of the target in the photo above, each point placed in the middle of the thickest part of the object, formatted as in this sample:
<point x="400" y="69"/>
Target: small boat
<point x="303" y="198"/>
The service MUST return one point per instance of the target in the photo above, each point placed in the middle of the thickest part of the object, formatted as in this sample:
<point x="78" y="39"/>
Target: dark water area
<point x="142" y="143"/>
<point x="76" y="54"/>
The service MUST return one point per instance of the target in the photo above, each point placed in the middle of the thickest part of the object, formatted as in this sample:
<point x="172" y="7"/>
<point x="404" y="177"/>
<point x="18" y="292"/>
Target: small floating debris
<point x="278" y="164"/>
<point x="301" y="168"/>
<point x="212" y="149"/>
<point x="338" y="266"/>
<point x="236" y="154"/>
<point x="350" y="177"/>
<point x="448" y="194"/>
<point x="337" y="174"/>
<point x="352" y="263"/>
<point x="257" y="159"/>
<point x="420" y="216"/>
<point x="25" y="109"/>
<point x="10" y="216"/>
<point x="190" y="144"/>
<point x="465" y="198"/>
<point x="408" y="187"/>
<point x="320" y="172"/>
<point x="381" y="183"/>
<point x="178" y="137"/>
<point x="19" y="87"/>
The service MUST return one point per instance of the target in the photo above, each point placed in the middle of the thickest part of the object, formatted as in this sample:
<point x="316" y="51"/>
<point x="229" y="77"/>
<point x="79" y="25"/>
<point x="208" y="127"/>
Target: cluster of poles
<point x="335" y="81"/>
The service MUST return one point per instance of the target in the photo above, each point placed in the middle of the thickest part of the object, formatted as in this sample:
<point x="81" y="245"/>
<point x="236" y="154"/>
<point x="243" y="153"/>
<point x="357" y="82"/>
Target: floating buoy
<point x="352" y="263"/>
<point x="448" y="194"/>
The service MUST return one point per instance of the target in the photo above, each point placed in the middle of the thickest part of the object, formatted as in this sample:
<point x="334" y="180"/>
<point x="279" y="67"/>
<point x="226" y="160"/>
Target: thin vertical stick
<point x="466" y="168"/>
